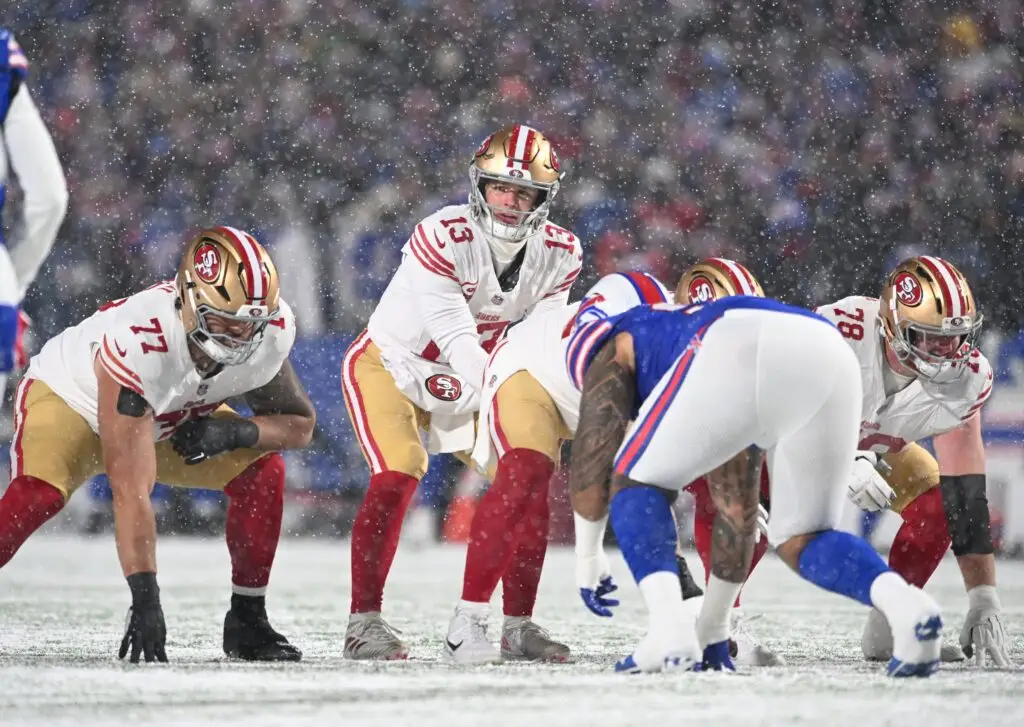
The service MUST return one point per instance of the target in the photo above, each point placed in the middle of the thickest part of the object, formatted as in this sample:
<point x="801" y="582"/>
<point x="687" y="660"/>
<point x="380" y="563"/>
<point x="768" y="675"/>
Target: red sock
<point x="375" y="536"/>
<point x="704" y="512"/>
<point x="703" y="525"/>
<point x="26" y="505"/>
<point x="498" y="521"/>
<point x="254" y="521"/>
<point x="522" y="576"/>
<point x="922" y="540"/>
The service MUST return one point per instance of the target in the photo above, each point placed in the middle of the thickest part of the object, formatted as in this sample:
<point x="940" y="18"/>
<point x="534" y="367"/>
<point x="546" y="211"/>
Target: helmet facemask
<point x="939" y="354"/>
<point x="234" y="337"/>
<point x="487" y="215"/>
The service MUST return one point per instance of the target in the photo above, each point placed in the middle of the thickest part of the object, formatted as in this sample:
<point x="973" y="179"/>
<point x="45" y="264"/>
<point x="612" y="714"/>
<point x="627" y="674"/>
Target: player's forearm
<point x="977" y="570"/>
<point x="132" y="475"/>
<point x="468" y="359"/>
<point x="284" y="431"/>
<point x="135" y="533"/>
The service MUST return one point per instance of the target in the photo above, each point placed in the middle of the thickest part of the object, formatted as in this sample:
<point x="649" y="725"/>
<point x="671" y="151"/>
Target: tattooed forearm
<point x="734" y="488"/>
<point x="605" y="411"/>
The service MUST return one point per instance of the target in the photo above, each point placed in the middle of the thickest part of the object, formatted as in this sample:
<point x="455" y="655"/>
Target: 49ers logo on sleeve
<point x="207" y="263"/>
<point x="444" y="387"/>
<point x="701" y="290"/>
<point x="908" y="290"/>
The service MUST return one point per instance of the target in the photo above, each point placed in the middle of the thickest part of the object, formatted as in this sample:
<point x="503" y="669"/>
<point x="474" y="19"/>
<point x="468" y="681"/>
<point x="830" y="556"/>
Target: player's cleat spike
<point x="369" y="636"/>
<point x="523" y="640"/>
<point x="252" y="638"/>
<point x="717" y="657"/>
<point x="467" y="642"/>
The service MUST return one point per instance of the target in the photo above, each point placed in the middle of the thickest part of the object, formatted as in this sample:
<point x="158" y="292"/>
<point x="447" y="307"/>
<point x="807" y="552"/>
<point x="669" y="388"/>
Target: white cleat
<point x="749" y="650"/>
<point x="876" y="641"/>
<point x="370" y="637"/>
<point x="917" y="637"/>
<point x="523" y="640"/>
<point x="662" y="652"/>
<point x="467" y="642"/>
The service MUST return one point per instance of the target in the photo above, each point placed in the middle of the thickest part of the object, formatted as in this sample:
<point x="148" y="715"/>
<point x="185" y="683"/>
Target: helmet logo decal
<point x="207" y="263"/>
<point x="701" y="290"/>
<point x="484" y="146"/>
<point x="907" y="289"/>
<point x="554" y="160"/>
<point x="515" y="173"/>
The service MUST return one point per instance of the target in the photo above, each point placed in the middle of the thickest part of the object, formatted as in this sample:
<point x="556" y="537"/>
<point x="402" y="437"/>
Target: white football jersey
<point x="539" y="344"/>
<point x="920" y="410"/>
<point x="141" y="343"/>
<point x="448" y="258"/>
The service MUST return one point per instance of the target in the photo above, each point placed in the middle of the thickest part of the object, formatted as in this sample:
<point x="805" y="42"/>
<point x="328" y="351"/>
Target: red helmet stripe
<point x="952" y="296"/>
<point x="255" y="275"/>
<point x="734" y="273"/>
<point x="513" y="142"/>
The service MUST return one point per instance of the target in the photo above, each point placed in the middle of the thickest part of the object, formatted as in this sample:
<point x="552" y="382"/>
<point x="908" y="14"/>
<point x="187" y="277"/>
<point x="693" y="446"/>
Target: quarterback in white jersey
<point x="467" y="273"/>
<point x="26" y="149"/>
<point x="528" y="408"/>
<point x="137" y="390"/>
<point x="923" y="376"/>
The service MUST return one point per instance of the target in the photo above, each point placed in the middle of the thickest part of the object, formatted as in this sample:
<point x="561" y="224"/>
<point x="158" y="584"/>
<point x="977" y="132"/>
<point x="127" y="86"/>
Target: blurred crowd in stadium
<point x="819" y="142"/>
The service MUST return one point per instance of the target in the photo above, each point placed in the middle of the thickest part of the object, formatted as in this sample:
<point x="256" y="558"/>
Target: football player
<point x="708" y="280"/>
<point x="27" y="149"/>
<point x="923" y="376"/>
<point x="136" y="390"/>
<point x="467" y="272"/>
<point x="528" y="408"/>
<point x="672" y="392"/>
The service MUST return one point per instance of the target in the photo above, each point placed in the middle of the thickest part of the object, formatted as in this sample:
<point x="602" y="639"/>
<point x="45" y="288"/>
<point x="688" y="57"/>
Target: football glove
<point x="200" y="439"/>
<point x="868" y="490"/>
<point x="144" y="631"/>
<point x="983" y="636"/>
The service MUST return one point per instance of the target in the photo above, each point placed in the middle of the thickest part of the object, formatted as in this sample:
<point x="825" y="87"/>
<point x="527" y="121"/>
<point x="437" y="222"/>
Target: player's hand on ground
<point x="594" y="579"/>
<point x="983" y="637"/>
<point x="868" y="490"/>
<point x="199" y="439"/>
<point x="144" y="631"/>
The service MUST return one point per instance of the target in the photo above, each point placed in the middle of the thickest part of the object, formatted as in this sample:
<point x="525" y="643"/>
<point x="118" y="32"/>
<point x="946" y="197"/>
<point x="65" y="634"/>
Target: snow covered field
<point x="62" y="603"/>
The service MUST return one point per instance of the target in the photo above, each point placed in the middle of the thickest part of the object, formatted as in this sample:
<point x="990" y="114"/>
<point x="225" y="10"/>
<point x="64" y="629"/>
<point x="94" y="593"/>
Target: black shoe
<point x="686" y="583"/>
<point x="252" y="638"/>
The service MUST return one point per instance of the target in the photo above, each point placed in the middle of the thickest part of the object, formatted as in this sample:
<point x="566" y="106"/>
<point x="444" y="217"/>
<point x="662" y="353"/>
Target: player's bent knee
<point x="792" y="548"/>
<point x="410" y="460"/>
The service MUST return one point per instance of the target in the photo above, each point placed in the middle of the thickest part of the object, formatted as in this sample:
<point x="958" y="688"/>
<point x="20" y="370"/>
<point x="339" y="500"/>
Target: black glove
<point x="198" y="439"/>
<point x="144" y="629"/>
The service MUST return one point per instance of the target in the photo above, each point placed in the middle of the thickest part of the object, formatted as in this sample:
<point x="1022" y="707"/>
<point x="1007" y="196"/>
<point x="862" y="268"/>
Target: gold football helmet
<point x="929" y="317"/>
<point x="714" y="278"/>
<point x="521" y="156"/>
<point x="227" y="293"/>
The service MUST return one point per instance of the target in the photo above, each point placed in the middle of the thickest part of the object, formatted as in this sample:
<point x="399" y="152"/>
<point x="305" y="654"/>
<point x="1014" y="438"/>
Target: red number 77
<point x="155" y="329"/>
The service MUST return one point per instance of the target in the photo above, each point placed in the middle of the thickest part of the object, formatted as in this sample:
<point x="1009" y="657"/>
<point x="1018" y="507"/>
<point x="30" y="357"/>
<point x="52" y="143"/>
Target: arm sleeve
<point x="35" y="163"/>
<point x="447" y="318"/>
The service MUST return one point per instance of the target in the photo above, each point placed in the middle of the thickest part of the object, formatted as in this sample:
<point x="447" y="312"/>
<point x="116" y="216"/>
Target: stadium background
<point x="818" y="142"/>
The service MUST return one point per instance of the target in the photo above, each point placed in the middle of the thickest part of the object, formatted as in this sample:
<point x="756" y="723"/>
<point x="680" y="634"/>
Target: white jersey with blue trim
<point x="538" y="346"/>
